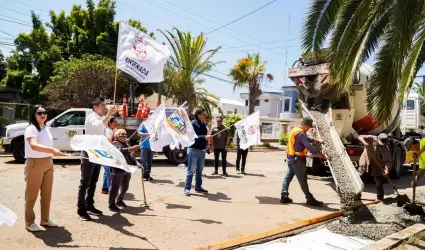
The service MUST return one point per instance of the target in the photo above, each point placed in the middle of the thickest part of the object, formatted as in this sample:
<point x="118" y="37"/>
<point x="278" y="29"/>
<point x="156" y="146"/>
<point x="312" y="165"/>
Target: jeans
<point x="146" y="157"/>
<point x="379" y="181"/>
<point x="106" y="185"/>
<point x="89" y="177"/>
<point x="223" y="159"/>
<point x="297" y="168"/>
<point x="120" y="182"/>
<point x="241" y="153"/>
<point x="195" y="163"/>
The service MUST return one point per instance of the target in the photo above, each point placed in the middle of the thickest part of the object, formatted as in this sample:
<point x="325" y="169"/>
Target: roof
<point x="232" y="102"/>
<point x="264" y="95"/>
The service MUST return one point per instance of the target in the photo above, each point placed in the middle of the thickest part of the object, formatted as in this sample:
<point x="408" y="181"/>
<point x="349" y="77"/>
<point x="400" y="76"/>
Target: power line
<point x="13" y="18"/>
<point x="10" y="21"/>
<point x="250" y="13"/>
<point x="31" y="6"/>
<point x="15" y="11"/>
<point x="4" y="32"/>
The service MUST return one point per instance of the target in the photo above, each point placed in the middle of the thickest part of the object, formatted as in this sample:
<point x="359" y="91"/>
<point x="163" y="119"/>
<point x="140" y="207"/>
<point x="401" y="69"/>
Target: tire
<point x="19" y="150"/>
<point x="397" y="168"/>
<point x="178" y="156"/>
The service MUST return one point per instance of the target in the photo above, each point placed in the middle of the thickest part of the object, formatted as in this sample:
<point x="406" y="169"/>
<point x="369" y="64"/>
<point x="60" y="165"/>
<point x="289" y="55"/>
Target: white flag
<point x="249" y="130"/>
<point x="101" y="151"/>
<point x="156" y="126"/>
<point x="140" y="55"/>
<point x="7" y="216"/>
<point x="181" y="130"/>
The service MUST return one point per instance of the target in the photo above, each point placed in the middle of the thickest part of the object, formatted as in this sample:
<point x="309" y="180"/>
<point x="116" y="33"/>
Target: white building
<point x="230" y="107"/>
<point x="269" y="104"/>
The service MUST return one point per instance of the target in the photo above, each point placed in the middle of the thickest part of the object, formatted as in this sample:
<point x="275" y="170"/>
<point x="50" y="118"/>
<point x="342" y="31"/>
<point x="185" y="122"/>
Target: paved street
<point x="236" y="206"/>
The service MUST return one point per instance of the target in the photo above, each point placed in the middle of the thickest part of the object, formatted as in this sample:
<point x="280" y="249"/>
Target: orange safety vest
<point x="290" y="147"/>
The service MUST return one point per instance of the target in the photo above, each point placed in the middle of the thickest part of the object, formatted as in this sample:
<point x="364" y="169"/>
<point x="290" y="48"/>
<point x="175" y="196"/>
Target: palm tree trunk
<point x="251" y="104"/>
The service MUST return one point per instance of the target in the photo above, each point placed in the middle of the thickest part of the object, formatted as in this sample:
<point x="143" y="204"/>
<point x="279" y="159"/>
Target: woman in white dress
<point x="38" y="169"/>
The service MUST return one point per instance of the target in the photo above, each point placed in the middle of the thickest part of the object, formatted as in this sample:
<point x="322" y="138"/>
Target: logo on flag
<point x="141" y="49"/>
<point x="178" y="123"/>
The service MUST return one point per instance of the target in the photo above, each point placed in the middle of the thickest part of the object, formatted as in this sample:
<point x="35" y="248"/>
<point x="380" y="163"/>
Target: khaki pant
<point x="39" y="177"/>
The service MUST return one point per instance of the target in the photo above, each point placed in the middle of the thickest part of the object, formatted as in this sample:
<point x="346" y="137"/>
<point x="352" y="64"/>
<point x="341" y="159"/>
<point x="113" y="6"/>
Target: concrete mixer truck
<point x="350" y="116"/>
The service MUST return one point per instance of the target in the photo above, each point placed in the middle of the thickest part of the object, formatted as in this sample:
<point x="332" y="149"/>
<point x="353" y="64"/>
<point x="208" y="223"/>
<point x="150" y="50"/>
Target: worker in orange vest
<point x="296" y="152"/>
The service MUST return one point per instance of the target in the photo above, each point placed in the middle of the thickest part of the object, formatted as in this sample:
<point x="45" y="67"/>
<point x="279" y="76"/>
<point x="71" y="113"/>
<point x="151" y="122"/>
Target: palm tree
<point x="250" y="71"/>
<point x="392" y="30"/>
<point x="189" y="61"/>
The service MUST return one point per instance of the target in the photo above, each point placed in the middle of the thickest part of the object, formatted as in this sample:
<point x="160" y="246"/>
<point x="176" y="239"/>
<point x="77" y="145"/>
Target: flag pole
<point x="115" y="85"/>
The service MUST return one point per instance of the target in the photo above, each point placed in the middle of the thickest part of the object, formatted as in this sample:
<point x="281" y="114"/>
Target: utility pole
<point x="160" y="90"/>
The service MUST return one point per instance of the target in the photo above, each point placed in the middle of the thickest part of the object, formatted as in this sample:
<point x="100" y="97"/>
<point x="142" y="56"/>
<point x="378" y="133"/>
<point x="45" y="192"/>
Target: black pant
<point x="89" y="177"/>
<point x="241" y="153"/>
<point x="119" y="182"/>
<point x="379" y="181"/>
<point x="223" y="159"/>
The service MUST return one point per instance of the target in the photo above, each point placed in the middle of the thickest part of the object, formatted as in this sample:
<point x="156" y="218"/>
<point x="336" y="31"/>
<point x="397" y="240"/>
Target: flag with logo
<point x="181" y="130"/>
<point x="101" y="151"/>
<point x="249" y="130"/>
<point x="156" y="126"/>
<point x="140" y="55"/>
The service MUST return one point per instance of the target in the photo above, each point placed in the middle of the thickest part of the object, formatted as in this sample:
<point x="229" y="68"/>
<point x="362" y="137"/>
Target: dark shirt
<point x="220" y="140"/>
<point x="129" y="156"/>
<point x="302" y="141"/>
<point x="201" y="131"/>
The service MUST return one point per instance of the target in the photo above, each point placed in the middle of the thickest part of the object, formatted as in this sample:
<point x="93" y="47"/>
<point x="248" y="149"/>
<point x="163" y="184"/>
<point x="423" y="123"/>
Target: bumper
<point x="6" y="143"/>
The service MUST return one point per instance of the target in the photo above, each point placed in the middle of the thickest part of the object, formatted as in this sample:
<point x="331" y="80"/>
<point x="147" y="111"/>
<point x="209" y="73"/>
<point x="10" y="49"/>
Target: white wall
<point x="272" y="108"/>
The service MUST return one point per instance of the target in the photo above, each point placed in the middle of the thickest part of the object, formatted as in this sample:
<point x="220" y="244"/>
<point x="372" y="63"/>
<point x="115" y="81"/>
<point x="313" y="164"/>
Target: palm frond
<point x="319" y="22"/>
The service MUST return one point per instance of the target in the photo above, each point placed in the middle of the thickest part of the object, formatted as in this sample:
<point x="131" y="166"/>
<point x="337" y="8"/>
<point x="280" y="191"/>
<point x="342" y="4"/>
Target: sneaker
<point x="187" y="192"/>
<point x="148" y="178"/>
<point x="285" y="200"/>
<point x="95" y="211"/>
<point x="33" y="228"/>
<point x="121" y="204"/>
<point x="201" y="190"/>
<point x="215" y="172"/>
<point x="315" y="203"/>
<point x="49" y="223"/>
<point x="84" y="216"/>
<point x="114" y="208"/>
<point x="225" y="174"/>
<point x="238" y="169"/>
<point x="243" y="172"/>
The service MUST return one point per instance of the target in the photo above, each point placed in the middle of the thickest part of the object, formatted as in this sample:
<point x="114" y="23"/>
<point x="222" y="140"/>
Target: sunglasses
<point x="40" y="113"/>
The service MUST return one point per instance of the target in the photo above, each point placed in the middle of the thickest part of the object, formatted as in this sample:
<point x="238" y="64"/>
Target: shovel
<point x="413" y="208"/>
<point x="401" y="199"/>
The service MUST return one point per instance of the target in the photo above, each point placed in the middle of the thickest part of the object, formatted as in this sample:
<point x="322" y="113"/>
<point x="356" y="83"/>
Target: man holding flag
<point x="196" y="153"/>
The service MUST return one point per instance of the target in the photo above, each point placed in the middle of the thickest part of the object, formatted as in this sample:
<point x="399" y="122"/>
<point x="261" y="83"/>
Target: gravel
<point x="374" y="222"/>
<point x="345" y="184"/>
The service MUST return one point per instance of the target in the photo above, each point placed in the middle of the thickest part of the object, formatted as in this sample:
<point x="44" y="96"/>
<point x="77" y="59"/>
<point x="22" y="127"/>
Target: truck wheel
<point x="19" y="151"/>
<point x="178" y="156"/>
<point x="397" y="168"/>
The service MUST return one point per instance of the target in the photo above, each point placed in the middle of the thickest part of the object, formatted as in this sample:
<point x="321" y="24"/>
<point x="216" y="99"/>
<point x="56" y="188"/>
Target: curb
<point x="396" y="239"/>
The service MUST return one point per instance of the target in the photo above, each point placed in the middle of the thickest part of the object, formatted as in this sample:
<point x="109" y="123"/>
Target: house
<point x="269" y="104"/>
<point x="289" y="100"/>
<point x="230" y="107"/>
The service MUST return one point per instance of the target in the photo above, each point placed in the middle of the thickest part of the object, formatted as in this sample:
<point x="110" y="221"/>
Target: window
<point x="229" y="112"/>
<point x="71" y="118"/>
<point x="257" y="103"/>
<point x="246" y="103"/>
<point x="266" y="100"/>
<point x="235" y="111"/>
<point x="287" y="105"/>
<point x="410" y="105"/>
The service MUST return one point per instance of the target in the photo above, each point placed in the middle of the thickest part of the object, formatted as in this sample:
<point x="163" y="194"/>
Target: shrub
<point x="266" y="144"/>
<point x="283" y="139"/>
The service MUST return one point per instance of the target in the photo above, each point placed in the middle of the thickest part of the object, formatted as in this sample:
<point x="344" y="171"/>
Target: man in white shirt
<point x="95" y="124"/>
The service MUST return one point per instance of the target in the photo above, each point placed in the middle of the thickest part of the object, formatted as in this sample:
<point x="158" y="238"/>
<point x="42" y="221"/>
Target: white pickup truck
<point x="69" y="123"/>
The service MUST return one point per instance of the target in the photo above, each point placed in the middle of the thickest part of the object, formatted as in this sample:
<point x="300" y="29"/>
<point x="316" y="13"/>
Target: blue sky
<point x="272" y="31"/>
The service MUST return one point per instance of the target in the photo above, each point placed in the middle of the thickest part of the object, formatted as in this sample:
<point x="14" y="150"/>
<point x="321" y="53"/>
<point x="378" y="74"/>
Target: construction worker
<point x="296" y="152"/>
<point x="421" y="157"/>
<point x="378" y="146"/>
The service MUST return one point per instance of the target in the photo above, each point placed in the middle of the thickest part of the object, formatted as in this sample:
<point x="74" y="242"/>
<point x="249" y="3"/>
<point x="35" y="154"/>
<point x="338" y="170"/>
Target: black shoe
<point x="315" y="203"/>
<point x="148" y="178"/>
<point x="201" y="190"/>
<point x="121" y="204"/>
<point x="225" y="174"/>
<point x="114" y="208"/>
<point x="83" y="215"/>
<point x="243" y="172"/>
<point x="95" y="211"/>
<point x="238" y="169"/>
<point x="285" y="199"/>
<point x="215" y="172"/>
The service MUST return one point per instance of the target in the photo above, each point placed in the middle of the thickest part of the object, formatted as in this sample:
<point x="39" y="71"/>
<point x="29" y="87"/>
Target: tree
<point x="393" y="31"/>
<point x="2" y="66"/>
<point x="78" y="82"/>
<point x="208" y="101"/>
<point x="250" y="71"/>
<point x="189" y="62"/>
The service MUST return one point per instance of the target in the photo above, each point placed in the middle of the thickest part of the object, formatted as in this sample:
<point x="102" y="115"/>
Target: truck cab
<point x="71" y="122"/>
